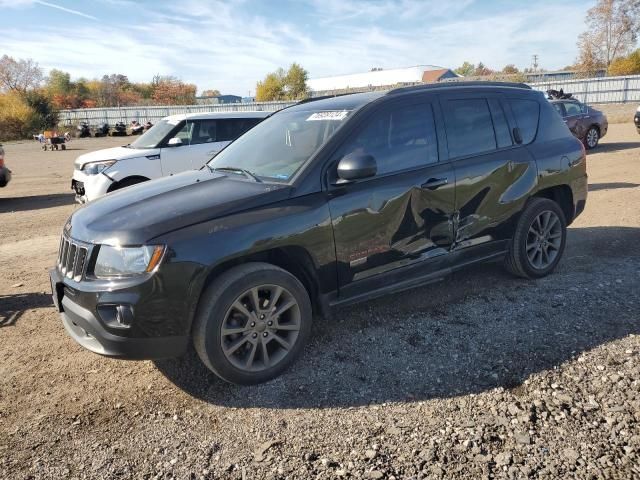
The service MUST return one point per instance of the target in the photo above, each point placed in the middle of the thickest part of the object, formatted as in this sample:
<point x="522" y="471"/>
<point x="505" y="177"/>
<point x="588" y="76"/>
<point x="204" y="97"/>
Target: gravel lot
<point x="479" y="376"/>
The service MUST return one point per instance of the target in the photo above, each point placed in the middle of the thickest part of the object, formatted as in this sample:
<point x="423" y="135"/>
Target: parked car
<point x="586" y="123"/>
<point x="636" y="119"/>
<point x="5" y="173"/>
<point x="175" y="144"/>
<point x="323" y="204"/>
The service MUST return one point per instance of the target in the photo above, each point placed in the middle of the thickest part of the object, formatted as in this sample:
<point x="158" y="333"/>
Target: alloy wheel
<point x="592" y="138"/>
<point x="260" y="328"/>
<point x="544" y="240"/>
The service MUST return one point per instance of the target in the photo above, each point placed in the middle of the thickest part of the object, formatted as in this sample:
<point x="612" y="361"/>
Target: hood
<point x="137" y="214"/>
<point x="115" y="153"/>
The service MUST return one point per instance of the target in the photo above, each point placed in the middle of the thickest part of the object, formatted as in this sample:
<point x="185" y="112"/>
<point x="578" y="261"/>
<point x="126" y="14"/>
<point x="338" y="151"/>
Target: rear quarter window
<point x="527" y="115"/>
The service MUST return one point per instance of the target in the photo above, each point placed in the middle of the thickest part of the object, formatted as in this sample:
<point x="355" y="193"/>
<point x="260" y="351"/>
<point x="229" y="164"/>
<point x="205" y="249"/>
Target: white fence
<point x="597" y="90"/>
<point x="96" y="116"/>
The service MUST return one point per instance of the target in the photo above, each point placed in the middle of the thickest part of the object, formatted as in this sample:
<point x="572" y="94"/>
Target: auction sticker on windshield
<point x="328" y="115"/>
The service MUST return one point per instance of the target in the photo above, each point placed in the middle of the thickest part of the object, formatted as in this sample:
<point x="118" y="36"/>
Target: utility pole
<point x="535" y="62"/>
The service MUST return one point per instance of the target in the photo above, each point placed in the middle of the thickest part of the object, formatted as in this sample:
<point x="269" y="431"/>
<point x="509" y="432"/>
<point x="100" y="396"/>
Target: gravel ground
<point x="479" y="376"/>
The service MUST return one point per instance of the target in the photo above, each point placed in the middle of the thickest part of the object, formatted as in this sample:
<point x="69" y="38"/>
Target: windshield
<point x="279" y="146"/>
<point x="152" y="137"/>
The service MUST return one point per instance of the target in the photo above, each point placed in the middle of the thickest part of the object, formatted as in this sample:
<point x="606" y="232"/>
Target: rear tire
<point x="592" y="138"/>
<point x="538" y="241"/>
<point x="252" y="322"/>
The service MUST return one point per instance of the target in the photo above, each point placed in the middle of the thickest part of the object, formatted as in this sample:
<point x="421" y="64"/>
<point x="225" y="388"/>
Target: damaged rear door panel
<point x="494" y="173"/>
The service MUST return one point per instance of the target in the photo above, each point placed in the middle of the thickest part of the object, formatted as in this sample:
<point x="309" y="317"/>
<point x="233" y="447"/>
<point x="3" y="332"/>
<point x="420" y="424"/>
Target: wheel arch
<point x="294" y="259"/>
<point x="126" y="181"/>
<point x="563" y="196"/>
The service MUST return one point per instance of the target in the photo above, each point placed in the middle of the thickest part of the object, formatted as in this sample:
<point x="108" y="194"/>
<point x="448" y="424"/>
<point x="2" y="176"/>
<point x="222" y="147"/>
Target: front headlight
<point x="94" y="168"/>
<point x="127" y="261"/>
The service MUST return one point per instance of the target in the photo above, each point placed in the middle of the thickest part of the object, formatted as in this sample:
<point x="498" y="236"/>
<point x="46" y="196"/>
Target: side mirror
<point x="174" y="142"/>
<point x="356" y="166"/>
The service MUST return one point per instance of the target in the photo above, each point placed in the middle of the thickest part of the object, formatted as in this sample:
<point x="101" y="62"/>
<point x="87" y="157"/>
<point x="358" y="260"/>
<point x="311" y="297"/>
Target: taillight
<point x="1" y="161"/>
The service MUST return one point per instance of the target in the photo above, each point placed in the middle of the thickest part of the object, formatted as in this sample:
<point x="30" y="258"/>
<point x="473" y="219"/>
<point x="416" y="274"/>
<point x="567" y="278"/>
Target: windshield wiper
<point x="243" y="171"/>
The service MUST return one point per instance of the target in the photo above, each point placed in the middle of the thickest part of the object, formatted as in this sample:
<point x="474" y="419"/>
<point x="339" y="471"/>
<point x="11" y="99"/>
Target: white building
<point x="381" y="78"/>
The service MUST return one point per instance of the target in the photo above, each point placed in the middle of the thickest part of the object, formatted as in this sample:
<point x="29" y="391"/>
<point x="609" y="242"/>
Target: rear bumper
<point x="5" y="176"/>
<point x="83" y="325"/>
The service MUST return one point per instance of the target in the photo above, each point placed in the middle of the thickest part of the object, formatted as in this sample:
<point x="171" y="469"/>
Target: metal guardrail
<point x="597" y="90"/>
<point x="96" y="116"/>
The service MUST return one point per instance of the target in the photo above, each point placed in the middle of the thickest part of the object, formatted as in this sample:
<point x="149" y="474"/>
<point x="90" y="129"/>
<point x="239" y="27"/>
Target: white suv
<point x="175" y="144"/>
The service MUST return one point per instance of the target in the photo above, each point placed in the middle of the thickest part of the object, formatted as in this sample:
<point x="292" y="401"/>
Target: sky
<point x="229" y="45"/>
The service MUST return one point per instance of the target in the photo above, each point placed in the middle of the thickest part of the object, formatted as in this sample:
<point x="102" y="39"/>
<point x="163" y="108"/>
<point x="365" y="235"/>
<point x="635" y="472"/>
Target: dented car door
<point x="400" y="218"/>
<point x="494" y="171"/>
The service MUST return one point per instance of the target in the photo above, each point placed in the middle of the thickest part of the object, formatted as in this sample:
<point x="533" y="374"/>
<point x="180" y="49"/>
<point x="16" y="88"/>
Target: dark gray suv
<point x="586" y="123"/>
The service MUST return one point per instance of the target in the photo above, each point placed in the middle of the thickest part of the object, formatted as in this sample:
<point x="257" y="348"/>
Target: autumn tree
<point x="271" y="88"/>
<point x="510" y="69"/>
<point x="169" y="90"/>
<point x="295" y="82"/>
<point x="628" y="65"/>
<point x="612" y="31"/>
<point x="210" y="93"/>
<point x="281" y="85"/>
<point x="482" y="71"/>
<point x="466" y="69"/>
<point x="19" y="75"/>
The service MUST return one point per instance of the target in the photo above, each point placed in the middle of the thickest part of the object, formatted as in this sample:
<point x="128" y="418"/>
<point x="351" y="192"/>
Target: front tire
<point x="538" y="241"/>
<point x="592" y="138"/>
<point x="252" y="323"/>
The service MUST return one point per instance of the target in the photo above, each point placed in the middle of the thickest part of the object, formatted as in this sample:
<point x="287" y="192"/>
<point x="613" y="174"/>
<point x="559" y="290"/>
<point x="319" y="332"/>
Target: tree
<point x="629" y="65"/>
<point x="19" y="75"/>
<point x="210" y="93"/>
<point x="482" y="71"/>
<point x="295" y="82"/>
<point x="466" y="69"/>
<point x="46" y="115"/>
<point x="169" y="90"/>
<point x="510" y="69"/>
<point x="281" y="85"/>
<point x="612" y="30"/>
<point x="270" y="89"/>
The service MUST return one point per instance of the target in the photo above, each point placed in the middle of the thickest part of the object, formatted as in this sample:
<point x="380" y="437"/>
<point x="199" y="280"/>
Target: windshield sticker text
<point x="331" y="115"/>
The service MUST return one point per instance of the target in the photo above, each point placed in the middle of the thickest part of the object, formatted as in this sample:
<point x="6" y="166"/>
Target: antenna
<point x="534" y="62"/>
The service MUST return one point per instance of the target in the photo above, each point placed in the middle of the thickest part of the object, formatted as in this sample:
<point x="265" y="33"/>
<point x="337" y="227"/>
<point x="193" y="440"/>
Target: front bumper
<point x="89" y="187"/>
<point x="5" y="176"/>
<point x="82" y="322"/>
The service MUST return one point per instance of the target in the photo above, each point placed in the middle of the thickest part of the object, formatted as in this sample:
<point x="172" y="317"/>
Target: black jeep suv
<point x="328" y="202"/>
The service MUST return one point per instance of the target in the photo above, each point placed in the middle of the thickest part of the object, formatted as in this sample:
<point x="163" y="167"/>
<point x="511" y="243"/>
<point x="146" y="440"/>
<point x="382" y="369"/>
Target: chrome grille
<point x="72" y="258"/>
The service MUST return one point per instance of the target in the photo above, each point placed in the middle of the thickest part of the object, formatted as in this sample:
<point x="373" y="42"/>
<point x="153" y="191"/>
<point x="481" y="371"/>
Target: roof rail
<point x="322" y="97"/>
<point x="459" y="84"/>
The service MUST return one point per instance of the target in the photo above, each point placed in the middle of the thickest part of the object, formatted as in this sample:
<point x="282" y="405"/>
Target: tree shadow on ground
<point x="35" y="202"/>
<point x="476" y="330"/>
<point x="12" y="307"/>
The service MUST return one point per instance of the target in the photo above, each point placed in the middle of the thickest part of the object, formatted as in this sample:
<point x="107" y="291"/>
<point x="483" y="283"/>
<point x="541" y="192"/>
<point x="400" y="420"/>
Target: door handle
<point x="213" y="152"/>
<point x="434" y="183"/>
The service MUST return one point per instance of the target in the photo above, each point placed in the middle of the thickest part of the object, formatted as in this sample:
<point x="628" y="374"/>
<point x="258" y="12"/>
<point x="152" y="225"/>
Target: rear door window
<point x="232" y="128"/>
<point x="469" y="127"/>
<point x="500" y="125"/>
<point x="573" y="108"/>
<point x="527" y="115"/>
